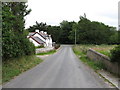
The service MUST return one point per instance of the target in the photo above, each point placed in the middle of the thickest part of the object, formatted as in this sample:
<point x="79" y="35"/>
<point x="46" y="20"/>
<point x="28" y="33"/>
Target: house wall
<point x="50" y="42"/>
<point x="47" y="42"/>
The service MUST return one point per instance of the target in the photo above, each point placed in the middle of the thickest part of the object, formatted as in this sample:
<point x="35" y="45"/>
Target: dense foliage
<point x="41" y="26"/>
<point x="87" y="32"/>
<point x="92" y="32"/>
<point x="14" y="37"/>
<point x="115" y="54"/>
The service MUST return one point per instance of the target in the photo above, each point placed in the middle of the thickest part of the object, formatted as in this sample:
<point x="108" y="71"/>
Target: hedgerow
<point x="115" y="54"/>
<point x="14" y="37"/>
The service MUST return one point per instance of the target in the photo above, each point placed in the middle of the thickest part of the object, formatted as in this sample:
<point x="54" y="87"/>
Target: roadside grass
<point x="39" y="47"/>
<point x="95" y="65"/>
<point x="14" y="67"/>
<point x="103" y="49"/>
<point x="47" y="53"/>
<point x="81" y="50"/>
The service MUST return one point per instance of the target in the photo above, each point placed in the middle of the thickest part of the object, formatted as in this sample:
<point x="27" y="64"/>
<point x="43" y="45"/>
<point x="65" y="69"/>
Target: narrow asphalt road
<point x="60" y="70"/>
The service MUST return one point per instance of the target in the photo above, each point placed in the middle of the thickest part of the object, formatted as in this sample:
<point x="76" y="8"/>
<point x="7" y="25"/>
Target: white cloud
<point x="54" y="11"/>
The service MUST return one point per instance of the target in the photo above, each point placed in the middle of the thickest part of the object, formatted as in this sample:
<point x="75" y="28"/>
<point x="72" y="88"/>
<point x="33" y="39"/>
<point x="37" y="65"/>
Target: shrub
<point x="115" y="54"/>
<point x="27" y="46"/>
<point x="11" y="47"/>
<point x="57" y="46"/>
<point x="16" y="46"/>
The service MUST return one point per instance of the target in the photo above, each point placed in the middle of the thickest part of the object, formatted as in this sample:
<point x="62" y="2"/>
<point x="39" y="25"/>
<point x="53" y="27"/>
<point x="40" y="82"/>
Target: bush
<point x="57" y="46"/>
<point x="27" y="46"/>
<point x="16" y="46"/>
<point x="115" y="54"/>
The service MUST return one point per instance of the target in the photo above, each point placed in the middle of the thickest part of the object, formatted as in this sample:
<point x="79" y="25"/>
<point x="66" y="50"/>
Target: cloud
<point x="54" y="11"/>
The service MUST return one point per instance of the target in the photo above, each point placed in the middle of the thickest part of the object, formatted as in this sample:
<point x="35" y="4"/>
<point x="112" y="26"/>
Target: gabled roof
<point x="37" y="39"/>
<point x="41" y="34"/>
<point x="31" y="33"/>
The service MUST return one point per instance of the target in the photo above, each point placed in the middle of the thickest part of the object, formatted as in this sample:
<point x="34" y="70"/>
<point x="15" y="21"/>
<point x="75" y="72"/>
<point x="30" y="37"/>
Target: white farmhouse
<point x="40" y="38"/>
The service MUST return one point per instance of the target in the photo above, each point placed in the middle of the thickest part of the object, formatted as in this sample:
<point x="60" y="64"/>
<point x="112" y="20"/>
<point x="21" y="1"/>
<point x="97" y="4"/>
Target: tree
<point x="55" y="32"/>
<point x="87" y="32"/>
<point x="66" y="27"/>
<point x="14" y="39"/>
<point x="114" y="38"/>
<point x="72" y="33"/>
<point x="92" y="32"/>
<point x="40" y="26"/>
<point x="60" y="34"/>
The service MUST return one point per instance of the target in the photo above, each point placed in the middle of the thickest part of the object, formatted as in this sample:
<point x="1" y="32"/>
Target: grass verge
<point x="104" y="49"/>
<point x="81" y="51"/>
<point x="14" y="67"/>
<point x="39" y="47"/>
<point x="96" y="65"/>
<point x="47" y="53"/>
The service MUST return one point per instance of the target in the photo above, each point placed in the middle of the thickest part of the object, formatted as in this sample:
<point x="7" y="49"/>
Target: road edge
<point x="106" y="78"/>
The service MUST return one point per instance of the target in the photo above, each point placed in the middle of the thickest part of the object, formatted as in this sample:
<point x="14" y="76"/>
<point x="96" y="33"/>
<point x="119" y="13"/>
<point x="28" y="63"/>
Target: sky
<point x="55" y="11"/>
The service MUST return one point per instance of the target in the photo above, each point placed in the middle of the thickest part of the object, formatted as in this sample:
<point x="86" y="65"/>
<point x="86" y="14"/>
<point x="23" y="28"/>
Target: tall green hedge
<point x="115" y="54"/>
<point x="14" y="36"/>
<point x="16" y="46"/>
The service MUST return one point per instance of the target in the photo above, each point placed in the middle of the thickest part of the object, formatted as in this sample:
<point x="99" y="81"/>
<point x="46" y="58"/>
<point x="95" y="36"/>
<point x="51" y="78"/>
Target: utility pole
<point x="75" y="36"/>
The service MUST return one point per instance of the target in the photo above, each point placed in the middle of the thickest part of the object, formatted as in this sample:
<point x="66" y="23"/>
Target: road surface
<point x="60" y="70"/>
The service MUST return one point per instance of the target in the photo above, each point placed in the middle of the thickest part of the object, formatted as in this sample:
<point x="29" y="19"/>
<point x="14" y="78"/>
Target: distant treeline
<point x="87" y="32"/>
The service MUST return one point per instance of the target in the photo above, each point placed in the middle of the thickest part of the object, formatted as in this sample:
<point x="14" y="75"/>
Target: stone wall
<point x="41" y="50"/>
<point x="110" y="66"/>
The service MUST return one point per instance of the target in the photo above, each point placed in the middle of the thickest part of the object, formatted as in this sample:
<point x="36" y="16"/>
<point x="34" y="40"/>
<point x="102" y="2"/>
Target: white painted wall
<point x="50" y="41"/>
<point x="47" y="42"/>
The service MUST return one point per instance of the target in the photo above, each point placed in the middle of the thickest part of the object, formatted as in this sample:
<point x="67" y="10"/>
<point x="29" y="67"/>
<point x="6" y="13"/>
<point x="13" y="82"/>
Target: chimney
<point x="37" y="31"/>
<point x="41" y="31"/>
<point x="45" y="32"/>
